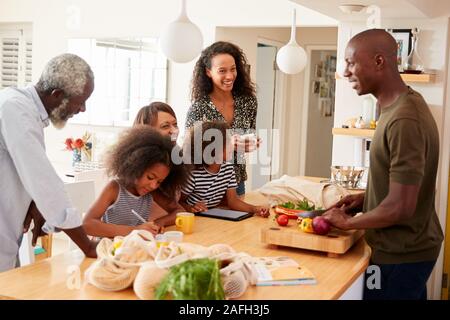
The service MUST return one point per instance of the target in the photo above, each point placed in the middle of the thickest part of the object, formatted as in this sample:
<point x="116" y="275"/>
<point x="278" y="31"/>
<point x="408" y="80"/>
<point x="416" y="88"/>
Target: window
<point x="129" y="74"/>
<point x="15" y="55"/>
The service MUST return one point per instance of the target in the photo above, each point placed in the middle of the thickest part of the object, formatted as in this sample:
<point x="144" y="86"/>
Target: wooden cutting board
<point x="337" y="242"/>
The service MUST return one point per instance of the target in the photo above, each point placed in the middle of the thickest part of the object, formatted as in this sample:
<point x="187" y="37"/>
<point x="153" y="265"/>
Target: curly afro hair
<point x="138" y="149"/>
<point x="202" y="85"/>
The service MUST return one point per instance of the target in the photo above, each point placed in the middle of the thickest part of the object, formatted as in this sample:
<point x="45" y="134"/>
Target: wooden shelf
<point x="408" y="77"/>
<point x="360" y="133"/>
<point x="423" y="77"/>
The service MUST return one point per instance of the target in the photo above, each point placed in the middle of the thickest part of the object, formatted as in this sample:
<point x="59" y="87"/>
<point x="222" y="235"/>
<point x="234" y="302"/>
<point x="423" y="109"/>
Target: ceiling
<point x="398" y="9"/>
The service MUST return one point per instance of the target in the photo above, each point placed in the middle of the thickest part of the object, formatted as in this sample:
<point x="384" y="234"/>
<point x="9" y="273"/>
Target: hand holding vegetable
<point x="353" y="203"/>
<point x="338" y="218"/>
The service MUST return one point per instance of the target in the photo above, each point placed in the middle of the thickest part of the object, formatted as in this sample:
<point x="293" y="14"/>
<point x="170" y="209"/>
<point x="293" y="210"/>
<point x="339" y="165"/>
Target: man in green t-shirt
<point x="400" y="219"/>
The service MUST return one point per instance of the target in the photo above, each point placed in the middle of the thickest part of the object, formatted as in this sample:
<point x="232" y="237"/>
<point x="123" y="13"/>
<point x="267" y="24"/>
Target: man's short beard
<point x="60" y="114"/>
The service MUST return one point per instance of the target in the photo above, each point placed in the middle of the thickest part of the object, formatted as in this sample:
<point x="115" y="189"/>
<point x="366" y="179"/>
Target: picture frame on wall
<point x="325" y="107"/>
<point x="318" y="70"/>
<point x="329" y="109"/>
<point x="324" y="90"/>
<point x="316" y="87"/>
<point x="404" y="43"/>
<point x="332" y="64"/>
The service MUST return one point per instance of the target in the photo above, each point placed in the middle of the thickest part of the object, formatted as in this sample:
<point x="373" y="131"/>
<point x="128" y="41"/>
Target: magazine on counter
<point x="281" y="271"/>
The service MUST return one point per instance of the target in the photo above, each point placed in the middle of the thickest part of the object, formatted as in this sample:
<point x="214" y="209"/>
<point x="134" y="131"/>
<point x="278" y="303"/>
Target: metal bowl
<point x="347" y="177"/>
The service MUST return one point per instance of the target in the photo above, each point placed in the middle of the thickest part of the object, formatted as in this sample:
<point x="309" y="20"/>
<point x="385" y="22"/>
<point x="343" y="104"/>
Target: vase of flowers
<point x="76" y="156"/>
<point x="81" y="148"/>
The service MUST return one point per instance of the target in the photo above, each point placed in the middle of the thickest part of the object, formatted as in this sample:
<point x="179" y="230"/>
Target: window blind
<point x="16" y="55"/>
<point x="9" y="62"/>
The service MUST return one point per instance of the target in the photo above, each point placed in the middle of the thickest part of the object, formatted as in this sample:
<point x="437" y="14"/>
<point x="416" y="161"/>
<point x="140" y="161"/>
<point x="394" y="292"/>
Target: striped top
<point x="120" y="211"/>
<point x="209" y="187"/>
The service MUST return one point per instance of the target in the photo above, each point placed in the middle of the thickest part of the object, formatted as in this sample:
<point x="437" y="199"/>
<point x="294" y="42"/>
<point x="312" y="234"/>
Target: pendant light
<point x="291" y="58"/>
<point x="181" y="41"/>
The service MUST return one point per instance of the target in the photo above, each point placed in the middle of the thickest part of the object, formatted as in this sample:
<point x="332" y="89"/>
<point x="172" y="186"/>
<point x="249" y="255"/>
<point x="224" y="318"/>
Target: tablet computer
<point x="225" y="214"/>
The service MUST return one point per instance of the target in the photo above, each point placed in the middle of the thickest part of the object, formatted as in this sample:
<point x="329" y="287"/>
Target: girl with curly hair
<point x="161" y="117"/>
<point x="222" y="90"/>
<point x="140" y="163"/>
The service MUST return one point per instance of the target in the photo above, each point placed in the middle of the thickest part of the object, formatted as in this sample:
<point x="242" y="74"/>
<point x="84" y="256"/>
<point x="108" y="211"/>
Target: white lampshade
<point x="292" y="58"/>
<point x="181" y="41"/>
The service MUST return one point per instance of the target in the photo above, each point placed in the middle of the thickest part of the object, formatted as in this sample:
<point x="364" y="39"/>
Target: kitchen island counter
<point x="341" y="277"/>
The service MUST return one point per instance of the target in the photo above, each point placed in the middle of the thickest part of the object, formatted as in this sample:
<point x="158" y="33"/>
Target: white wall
<point x="319" y="144"/>
<point x="266" y="81"/>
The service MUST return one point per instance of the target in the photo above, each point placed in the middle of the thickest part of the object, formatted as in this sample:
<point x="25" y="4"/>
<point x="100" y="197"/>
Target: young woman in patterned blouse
<point x="222" y="90"/>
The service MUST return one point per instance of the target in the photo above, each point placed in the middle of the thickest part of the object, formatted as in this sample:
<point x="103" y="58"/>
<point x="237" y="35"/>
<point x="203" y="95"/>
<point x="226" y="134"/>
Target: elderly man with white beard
<point x="30" y="187"/>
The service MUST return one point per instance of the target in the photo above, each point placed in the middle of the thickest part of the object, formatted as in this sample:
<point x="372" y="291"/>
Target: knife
<point x="311" y="214"/>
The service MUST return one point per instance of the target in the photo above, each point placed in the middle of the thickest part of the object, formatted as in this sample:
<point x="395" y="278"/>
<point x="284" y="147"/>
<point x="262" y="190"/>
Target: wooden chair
<point x="97" y="175"/>
<point x="82" y="194"/>
<point x="46" y="244"/>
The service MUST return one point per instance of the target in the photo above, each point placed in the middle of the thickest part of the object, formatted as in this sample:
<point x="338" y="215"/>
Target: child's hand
<point x="198" y="207"/>
<point x="151" y="227"/>
<point x="260" y="211"/>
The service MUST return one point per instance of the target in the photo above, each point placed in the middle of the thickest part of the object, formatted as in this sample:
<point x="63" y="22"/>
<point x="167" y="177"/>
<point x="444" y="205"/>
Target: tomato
<point x="282" y="220"/>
